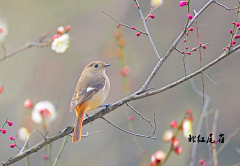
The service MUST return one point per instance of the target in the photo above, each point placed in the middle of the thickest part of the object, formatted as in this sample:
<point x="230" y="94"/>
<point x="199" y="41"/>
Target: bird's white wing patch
<point x="89" y="89"/>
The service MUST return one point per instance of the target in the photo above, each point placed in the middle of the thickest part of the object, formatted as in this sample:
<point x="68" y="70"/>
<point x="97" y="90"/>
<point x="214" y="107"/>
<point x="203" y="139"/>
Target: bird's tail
<point x="77" y="133"/>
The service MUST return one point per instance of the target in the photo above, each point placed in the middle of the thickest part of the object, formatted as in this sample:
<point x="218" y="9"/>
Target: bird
<point x="91" y="91"/>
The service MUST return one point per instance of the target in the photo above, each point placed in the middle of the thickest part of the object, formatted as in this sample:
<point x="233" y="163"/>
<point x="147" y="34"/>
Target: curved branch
<point x="111" y="108"/>
<point x="37" y="43"/>
<point x="137" y="95"/>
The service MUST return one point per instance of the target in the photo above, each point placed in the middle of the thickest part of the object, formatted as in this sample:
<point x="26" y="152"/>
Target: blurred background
<point x="41" y="74"/>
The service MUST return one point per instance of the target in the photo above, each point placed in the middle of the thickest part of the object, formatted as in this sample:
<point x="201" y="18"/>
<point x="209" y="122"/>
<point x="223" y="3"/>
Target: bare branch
<point x="89" y="134"/>
<point x="142" y="117"/>
<point x="25" y="144"/>
<point x="224" y="55"/>
<point x="200" y="122"/>
<point x="135" y="96"/>
<point x="224" y="6"/>
<point x="138" y="135"/>
<point x="173" y="46"/>
<point x="60" y="151"/>
<point x="37" y="42"/>
<point x="123" y="23"/>
<point x="146" y="28"/>
<point x="209" y="78"/>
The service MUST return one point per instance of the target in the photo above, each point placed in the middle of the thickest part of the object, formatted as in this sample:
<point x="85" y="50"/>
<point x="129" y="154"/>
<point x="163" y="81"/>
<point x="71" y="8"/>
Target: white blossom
<point x="61" y="44"/>
<point x="44" y="110"/>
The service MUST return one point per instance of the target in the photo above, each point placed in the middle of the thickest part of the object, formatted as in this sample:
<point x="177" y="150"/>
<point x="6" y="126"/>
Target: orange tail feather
<point x="77" y="133"/>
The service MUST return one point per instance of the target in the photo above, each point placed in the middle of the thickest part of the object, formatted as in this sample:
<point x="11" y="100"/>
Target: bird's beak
<point x="106" y="65"/>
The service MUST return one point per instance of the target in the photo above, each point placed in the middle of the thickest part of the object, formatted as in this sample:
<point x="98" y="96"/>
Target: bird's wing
<point x="82" y="93"/>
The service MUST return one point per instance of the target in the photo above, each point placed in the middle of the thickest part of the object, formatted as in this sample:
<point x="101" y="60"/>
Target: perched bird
<point x="91" y="91"/>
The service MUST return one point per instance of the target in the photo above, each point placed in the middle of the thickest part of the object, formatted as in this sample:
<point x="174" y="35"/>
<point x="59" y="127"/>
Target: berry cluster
<point x="61" y="30"/>
<point x="159" y="157"/>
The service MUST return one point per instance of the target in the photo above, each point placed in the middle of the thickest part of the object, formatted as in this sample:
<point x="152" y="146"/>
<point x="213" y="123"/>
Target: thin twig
<point x="151" y="12"/>
<point x="214" y="132"/>
<point x="60" y="151"/>
<point x="200" y="122"/>
<point x="148" y="89"/>
<point x="123" y="23"/>
<point x="200" y="56"/>
<point x="142" y="117"/>
<point x="173" y="46"/>
<point x="119" y="154"/>
<point x="44" y="137"/>
<point x="37" y="42"/>
<point x="138" y="135"/>
<point x="224" y="6"/>
<point x="160" y="90"/>
<point x="227" y="141"/>
<point x="209" y="78"/>
<point x="234" y="27"/>
<point x="146" y="28"/>
<point x="26" y="142"/>
<point x="131" y="97"/>
<point x="87" y="135"/>
<point x="175" y="136"/>
<point x="178" y="50"/>
<point x="111" y="108"/>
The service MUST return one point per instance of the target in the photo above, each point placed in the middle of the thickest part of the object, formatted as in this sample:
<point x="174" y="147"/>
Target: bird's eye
<point x="96" y="65"/>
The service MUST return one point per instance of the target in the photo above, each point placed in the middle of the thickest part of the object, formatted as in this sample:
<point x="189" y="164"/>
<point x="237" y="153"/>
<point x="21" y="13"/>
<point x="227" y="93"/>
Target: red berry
<point x="132" y="117"/>
<point x="178" y="149"/>
<point x="186" y="33"/>
<point x="151" y="16"/>
<point x="237" y="36"/>
<point x="224" y="49"/>
<point x="168" y="135"/>
<point x="204" y="47"/>
<point x="12" y="145"/>
<point x="187" y="47"/>
<point x="184" y="40"/>
<point x="4" y="131"/>
<point x="231" y="31"/>
<point x="133" y="28"/>
<point x="125" y="71"/>
<point x="229" y="135"/>
<point x="233" y="42"/>
<point x="190" y="16"/>
<point x="183" y="3"/>
<point x="174" y="124"/>
<point x="60" y="30"/>
<point x="45" y="157"/>
<point x="12" y="137"/>
<point x="159" y="157"/>
<point x="175" y="142"/>
<point x="189" y="111"/>
<point x="118" y="25"/>
<point x="10" y="123"/>
<point x="190" y="118"/>
<point x="1" y="89"/>
<point x="54" y="37"/>
<point x="138" y="33"/>
<point x="189" y="53"/>
<point x="68" y="27"/>
<point x="190" y="29"/>
<point x="28" y="103"/>
<point x="201" y="161"/>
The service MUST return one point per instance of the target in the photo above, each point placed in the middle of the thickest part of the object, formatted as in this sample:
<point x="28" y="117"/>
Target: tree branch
<point x="134" y="96"/>
<point x="37" y="43"/>
<point x="111" y="108"/>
